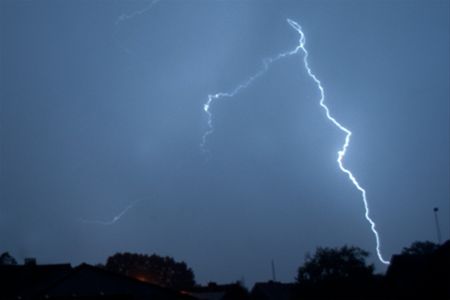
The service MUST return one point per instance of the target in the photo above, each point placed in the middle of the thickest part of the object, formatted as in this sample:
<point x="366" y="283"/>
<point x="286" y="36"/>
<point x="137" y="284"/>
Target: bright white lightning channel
<point x="113" y="220"/>
<point x="341" y="153"/>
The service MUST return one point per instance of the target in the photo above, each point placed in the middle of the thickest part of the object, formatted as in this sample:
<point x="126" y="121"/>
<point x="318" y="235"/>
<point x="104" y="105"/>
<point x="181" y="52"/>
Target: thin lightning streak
<point x="212" y="97"/>
<point x="348" y="133"/>
<point x="125" y="17"/>
<point x="113" y="220"/>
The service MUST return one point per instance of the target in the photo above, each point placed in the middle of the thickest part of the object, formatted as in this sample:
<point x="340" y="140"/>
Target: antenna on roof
<point x="274" y="275"/>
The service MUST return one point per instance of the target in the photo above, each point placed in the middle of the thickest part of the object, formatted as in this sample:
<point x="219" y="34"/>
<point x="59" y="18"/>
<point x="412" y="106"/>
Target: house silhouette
<point x="85" y="282"/>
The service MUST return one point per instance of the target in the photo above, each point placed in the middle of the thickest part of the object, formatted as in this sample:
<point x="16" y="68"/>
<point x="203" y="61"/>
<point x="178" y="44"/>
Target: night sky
<point x="101" y="120"/>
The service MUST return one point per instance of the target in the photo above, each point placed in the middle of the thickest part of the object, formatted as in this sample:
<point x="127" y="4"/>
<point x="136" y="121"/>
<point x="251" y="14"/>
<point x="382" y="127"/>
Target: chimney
<point x="30" y="261"/>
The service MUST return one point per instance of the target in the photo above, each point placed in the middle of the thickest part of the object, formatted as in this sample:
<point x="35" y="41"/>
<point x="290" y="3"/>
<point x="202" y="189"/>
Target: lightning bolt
<point x="115" y="218"/>
<point x="341" y="153"/>
<point x="125" y="17"/>
<point x="213" y="97"/>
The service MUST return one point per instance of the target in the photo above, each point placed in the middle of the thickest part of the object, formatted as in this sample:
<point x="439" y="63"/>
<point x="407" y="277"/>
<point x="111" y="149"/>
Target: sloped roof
<point x="272" y="290"/>
<point x="90" y="281"/>
<point x="26" y="280"/>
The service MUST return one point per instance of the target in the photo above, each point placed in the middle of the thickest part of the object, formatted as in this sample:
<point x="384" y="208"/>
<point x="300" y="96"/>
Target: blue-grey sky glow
<point x="112" y="138"/>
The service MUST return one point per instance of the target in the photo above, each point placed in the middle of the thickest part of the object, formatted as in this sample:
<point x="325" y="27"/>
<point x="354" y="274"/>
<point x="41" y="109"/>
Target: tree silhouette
<point x="335" y="263"/>
<point x="164" y="271"/>
<point x="7" y="259"/>
<point x="420" y="248"/>
<point x="338" y="273"/>
<point x="421" y="271"/>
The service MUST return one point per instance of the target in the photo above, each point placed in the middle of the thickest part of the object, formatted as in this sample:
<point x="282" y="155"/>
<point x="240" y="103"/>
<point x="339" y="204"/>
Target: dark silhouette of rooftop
<point x="82" y="282"/>
<point x="26" y="280"/>
<point x="233" y="291"/>
<point x="272" y="290"/>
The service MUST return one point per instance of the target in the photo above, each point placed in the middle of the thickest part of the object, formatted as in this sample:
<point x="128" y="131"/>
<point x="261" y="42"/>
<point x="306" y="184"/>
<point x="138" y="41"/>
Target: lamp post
<point x="438" y="229"/>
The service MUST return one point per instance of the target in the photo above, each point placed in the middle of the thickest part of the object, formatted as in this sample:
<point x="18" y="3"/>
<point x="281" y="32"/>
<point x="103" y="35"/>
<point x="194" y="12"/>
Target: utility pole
<point x="438" y="228"/>
<point x="274" y="275"/>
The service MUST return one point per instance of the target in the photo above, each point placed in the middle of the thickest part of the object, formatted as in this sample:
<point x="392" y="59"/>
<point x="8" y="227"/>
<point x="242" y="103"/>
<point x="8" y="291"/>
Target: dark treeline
<point x="419" y="271"/>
